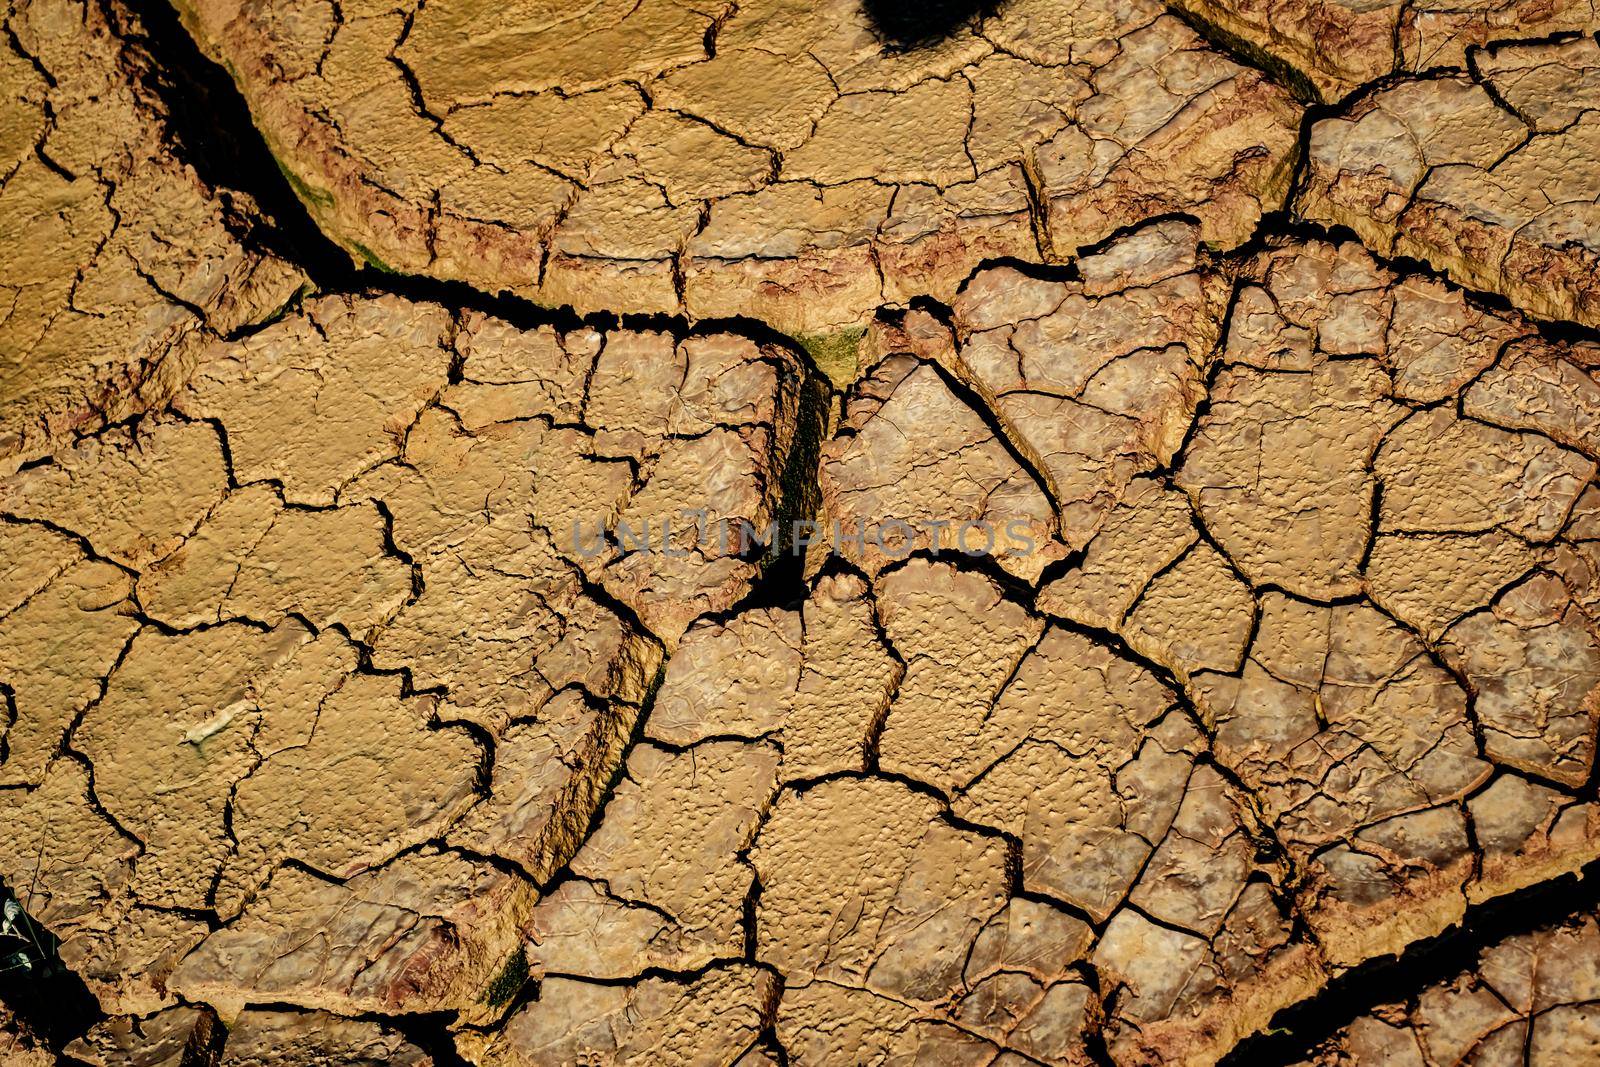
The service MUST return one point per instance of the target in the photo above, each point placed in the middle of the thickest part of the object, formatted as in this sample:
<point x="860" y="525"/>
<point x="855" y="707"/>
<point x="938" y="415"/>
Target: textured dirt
<point x="119" y="261"/>
<point x="390" y="675"/>
<point x="761" y="159"/>
<point x="1530" y="998"/>
<point x="1487" y="177"/>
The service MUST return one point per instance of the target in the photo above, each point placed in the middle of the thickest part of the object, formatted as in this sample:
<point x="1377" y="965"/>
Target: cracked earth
<point x="344" y="720"/>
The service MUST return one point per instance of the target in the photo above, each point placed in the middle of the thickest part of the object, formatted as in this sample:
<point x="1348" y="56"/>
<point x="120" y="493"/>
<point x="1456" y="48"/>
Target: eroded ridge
<point x="1530" y="999"/>
<point x="1489" y="177"/>
<point x="119" y="259"/>
<point x="1330" y="50"/>
<point x="767" y="159"/>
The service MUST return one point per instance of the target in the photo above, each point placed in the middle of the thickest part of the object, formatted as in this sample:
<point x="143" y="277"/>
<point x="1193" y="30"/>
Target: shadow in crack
<point x="50" y="1000"/>
<point x="1295" y="1032"/>
<point x="907" y="24"/>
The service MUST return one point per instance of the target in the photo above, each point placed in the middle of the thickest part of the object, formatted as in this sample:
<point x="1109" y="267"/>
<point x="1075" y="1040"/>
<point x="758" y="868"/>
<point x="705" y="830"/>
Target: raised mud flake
<point x="76" y="860"/>
<point x="961" y="640"/>
<point x="1095" y="381"/>
<point x="260" y="1038"/>
<point x="1342" y="724"/>
<point x="656" y="187"/>
<point x="1471" y="569"/>
<point x="1196" y="616"/>
<point x="697" y="700"/>
<point x="1445" y="474"/>
<point x="164" y="1039"/>
<point x="386" y="941"/>
<point x="255" y="559"/>
<point x="818" y="681"/>
<point x="50" y="681"/>
<point x="509" y="444"/>
<point x="1037" y="732"/>
<point x="1279" y="468"/>
<point x="1543" y="387"/>
<point x="1025" y="990"/>
<point x="668" y="851"/>
<point x="893" y="904"/>
<point x="1329" y="50"/>
<point x="119" y="259"/>
<point x="134" y="494"/>
<point x="1215" y="148"/>
<point x="910" y="453"/>
<point x="1302" y="525"/>
<point x="362" y="369"/>
<point x="1549" y="84"/>
<point x="1446" y="171"/>
<point x="278" y="738"/>
<point x="1534" y="660"/>
<point x="1147" y="531"/>
<point x="714" y="1017"/>
<point x="1180" y="997"/>
<point x="1401" y="867"/>
<point x="1528" y="831"/>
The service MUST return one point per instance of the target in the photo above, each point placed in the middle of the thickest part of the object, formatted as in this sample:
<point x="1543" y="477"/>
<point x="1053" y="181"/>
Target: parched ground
<point x="1182" y="643"/>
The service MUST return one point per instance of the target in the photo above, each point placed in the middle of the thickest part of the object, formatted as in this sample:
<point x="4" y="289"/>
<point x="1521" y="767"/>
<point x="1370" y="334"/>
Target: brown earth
<point x="1196" y="632"/>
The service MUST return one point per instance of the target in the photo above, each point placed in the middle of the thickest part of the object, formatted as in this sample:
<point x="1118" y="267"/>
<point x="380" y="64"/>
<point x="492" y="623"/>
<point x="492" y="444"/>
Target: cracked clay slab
<point x="1195" y="653"/>
<point x="774" y="160"/>
<point x="349" y="658"/>
<point x="120" y="260"/>
<point x="1487" y="177"/>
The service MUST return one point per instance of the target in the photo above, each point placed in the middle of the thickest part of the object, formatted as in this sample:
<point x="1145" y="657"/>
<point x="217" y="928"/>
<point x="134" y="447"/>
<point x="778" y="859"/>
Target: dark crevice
<point x="211" y="129"/>
<point x="39" y="989"/>
<point x="782" y="582"/>
<point x="1249" y="54"/>
<point x="635" y="737"/>
<point x="904" y="25"/>
<point x="430" y="1033"/>
<point x="1296" y="1030"/>
<point x="1281" y="229"/>
<point x="1032" y="468"/>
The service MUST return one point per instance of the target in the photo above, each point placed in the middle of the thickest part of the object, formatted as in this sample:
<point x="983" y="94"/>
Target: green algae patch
<point x="313" y="198"/>
<point x="512" y="977"/>
<point x="370" y="258"/>
<point x="835" y="354"/>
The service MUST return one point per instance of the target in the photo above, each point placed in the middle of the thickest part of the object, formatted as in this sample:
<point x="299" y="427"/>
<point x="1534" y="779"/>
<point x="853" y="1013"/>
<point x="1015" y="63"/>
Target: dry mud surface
<point x="1227" y="690"/>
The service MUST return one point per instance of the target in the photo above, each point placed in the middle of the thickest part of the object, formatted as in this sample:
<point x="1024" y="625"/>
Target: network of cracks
<point x="349" y="719"/>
